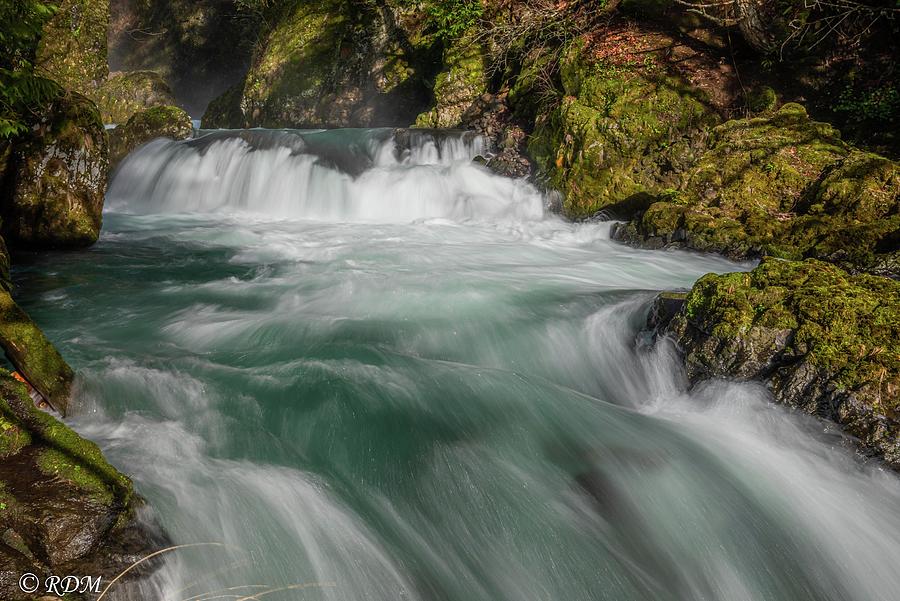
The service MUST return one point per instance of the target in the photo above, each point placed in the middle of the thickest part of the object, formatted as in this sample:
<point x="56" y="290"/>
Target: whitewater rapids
<point x="372" y="370"/>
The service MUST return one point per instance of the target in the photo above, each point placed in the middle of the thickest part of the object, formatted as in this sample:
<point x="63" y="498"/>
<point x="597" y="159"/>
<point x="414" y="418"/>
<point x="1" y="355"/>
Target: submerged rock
<point x="157" y="122"/>
<point x="62" y="506"/>
<point x="784" y="186"/>
<point x="124" y="94"/>
<point x="56" y="178"/>
<point x="825" y="341"/>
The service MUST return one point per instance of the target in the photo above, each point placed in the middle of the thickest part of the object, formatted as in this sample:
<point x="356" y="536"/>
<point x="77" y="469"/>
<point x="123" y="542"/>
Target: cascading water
<point x="372" y="370"/>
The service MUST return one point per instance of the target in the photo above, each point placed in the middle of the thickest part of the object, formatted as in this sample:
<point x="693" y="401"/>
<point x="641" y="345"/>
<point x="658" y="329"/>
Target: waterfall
<point x="379" y="176"/>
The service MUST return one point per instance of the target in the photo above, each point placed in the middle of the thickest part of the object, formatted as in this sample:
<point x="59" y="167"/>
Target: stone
<point x="825" y="341"/>
<point x="157" y="122"/>
<point x="56" y="179"/>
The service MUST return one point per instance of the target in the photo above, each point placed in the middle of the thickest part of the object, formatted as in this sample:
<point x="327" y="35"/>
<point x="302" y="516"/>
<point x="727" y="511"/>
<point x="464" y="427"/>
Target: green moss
<point x="155" y="122"/>
<point x="124" y="94"/>
<point x="72" y="49"/>
<point x="60" y="465"/>
<point x="847" y="325"/>
<point x="64" y="453"/>
<point x="33" y="355"/>
<point x="12" y="437"/>
<point x="59" y="178"/>
<point x="783" y="186"/>
<point x="459" y="85"/>
<point x="621" y="129"/>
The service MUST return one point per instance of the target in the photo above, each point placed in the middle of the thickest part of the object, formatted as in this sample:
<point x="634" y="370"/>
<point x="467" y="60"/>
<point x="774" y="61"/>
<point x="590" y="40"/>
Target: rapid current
<point x="356" y="366"/>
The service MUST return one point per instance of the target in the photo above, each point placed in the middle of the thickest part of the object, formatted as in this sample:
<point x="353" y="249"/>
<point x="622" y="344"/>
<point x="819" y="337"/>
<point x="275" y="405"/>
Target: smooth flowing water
<point x="373" y="370"/>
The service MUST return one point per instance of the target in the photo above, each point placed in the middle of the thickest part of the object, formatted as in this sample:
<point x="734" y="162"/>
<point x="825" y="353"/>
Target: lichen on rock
<point x="156" y="122"/>
<point x="56" y="178"/>
<point x="825" y="341"/>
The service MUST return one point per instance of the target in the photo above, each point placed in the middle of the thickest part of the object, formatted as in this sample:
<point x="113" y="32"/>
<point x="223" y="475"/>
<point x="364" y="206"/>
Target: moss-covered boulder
<point x="33" y="355"/>
<point x="784" y="186"/>
<point x="72" y="48"/>
<point x="62" y="505"/>
<point x="56" y="179"/>
<point x="337" y="63"/>
<point x="157" y="122"/>
<point x="126" y="93"/>
<point x="461" y="83"/>
<point x="622" y="128"/>
<point x="825" y="341"/>
<point x="224" y="111"/>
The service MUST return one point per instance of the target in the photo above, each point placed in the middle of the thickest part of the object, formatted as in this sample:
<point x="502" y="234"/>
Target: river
<point x="369" y="369"/>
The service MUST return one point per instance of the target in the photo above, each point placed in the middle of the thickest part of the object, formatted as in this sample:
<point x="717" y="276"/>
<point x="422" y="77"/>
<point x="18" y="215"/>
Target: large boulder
<point x="622" y="129"/>
<point x="126" y="93"/>
<point x="784" y="186"/>
<point x="335" y="63"/>
<point x="64" y="508"/>
<point x="825" y="342"/>
<point x="72" y="49"/>
<point x="157" y="122"/>
<point x="56" y="178"/>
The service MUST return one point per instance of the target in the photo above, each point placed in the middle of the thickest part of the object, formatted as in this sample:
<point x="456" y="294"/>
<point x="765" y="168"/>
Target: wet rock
<point x="33" y="355"/>
<point x="56" y="178"/>
<point x="156" y="122"/>
<point x="825" y="341"/>
<point x="64" y="508"/>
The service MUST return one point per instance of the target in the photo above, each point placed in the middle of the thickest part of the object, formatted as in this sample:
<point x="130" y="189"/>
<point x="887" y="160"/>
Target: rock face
<point x="784" y="186"/>
<point x="125" y="94"/>
<point x="198" y="47"/>
<point x="461" y="83"/>
<point x="826" y="342"/>
<point x="63" y="506"/>
<point x="621" y="129"/>
<point x="336" y="63"/>
<point x="56" y="179"/>
<point x="72" y="49"/>
<point x="157" y="122"/>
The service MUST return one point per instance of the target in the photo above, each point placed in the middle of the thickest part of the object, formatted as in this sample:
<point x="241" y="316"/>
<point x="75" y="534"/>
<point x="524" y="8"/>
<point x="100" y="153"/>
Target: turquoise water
<point x="390" y="376"/>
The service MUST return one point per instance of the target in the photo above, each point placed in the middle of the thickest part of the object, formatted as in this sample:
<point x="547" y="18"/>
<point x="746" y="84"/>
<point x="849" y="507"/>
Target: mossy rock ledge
<point x="56" y="179"/>
<point x="825" y="341"/>
<point x="156" y="122"/>
<point x="63" y="508"/>
<point x="782" y="186"/>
